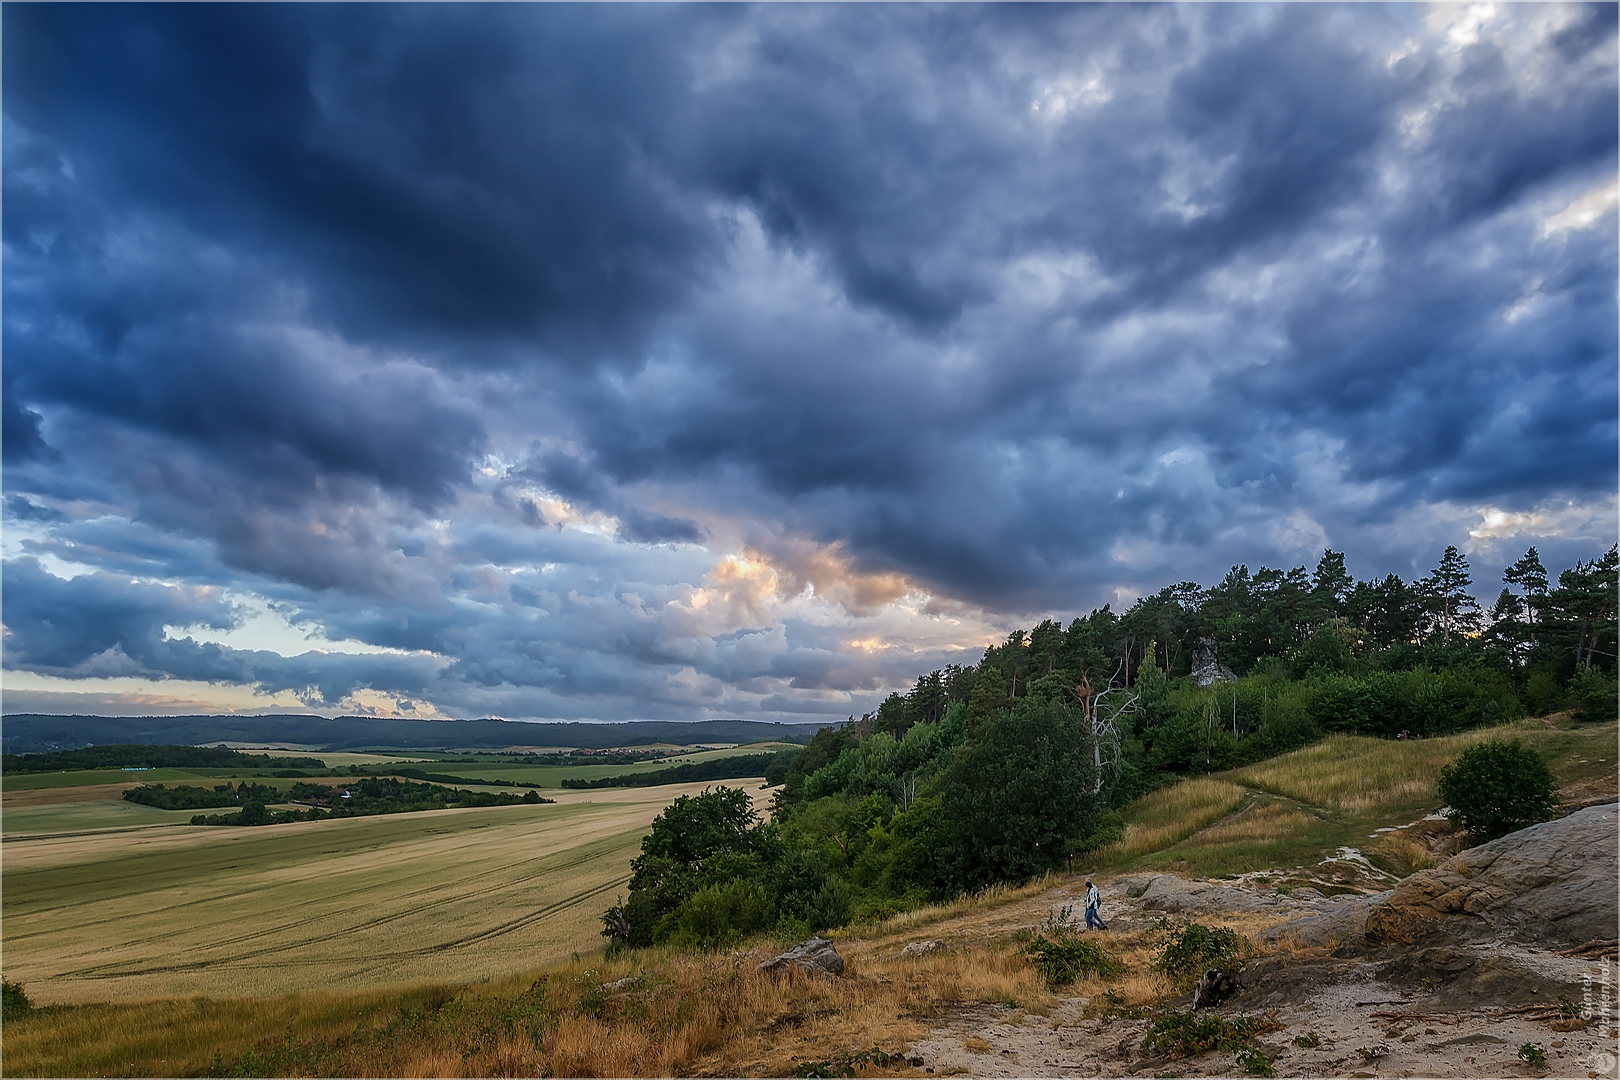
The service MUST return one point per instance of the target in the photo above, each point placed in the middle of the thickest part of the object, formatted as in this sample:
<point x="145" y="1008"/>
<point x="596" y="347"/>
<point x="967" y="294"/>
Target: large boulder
<point x="1179" y="896"/>
<point x="1549" y="886"/>
<point x="814" y="955"/>
<point x="922" y="948"/>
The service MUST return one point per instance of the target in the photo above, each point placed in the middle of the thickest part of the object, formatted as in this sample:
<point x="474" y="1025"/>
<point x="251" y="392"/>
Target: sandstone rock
<point x="1551" y="886"/>
<point x="814" y="955"/>
<point x="1174" y="895"/>
<point x="1207" y="669"/>
<point x="1343" y="922"/>
<point x="922" y="948"/>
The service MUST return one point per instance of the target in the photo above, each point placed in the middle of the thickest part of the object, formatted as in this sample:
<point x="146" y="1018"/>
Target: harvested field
<point x="458" y="895"/>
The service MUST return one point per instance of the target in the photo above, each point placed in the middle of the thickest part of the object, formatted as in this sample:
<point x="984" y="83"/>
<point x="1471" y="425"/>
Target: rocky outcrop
<point x="922" y="948"/>
<point x="815" y="955"/>
<point x="1207" y="669"/>
<point x="1551" y="886"/>
<point x="1178" y="896"/>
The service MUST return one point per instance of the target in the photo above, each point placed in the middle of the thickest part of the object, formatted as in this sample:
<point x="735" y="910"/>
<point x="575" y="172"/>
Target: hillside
<point x="976" y="1006"/>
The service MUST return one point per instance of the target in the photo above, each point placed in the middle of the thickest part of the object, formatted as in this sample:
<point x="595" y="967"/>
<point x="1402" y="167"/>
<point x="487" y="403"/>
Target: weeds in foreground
<point x="1533" y="1056"/>
<point x="1183" y="1034"/>
<point x="847" y="1066"/>
<point x="1254" y="1062"/>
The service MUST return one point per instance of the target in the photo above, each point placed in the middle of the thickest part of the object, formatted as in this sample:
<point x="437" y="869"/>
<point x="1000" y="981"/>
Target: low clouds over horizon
<point x="611" y="362"/>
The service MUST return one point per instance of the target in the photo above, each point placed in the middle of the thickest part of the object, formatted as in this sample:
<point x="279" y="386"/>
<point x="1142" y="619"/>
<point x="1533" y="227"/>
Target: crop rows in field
<point x="456" y="895"/>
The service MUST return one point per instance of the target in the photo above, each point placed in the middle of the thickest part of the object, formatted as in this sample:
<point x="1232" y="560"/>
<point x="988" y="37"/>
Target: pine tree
<point x="1444" y="591"/>
<point x="1531" y="578"/>
<point x="1584" y="604"/>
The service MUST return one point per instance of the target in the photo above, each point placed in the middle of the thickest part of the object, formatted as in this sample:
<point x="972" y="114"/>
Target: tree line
<point x="369" y="796"/>
<point x="725" y="768"/>
<point x="138" y="756"/>
<point x="1005" y="769"/>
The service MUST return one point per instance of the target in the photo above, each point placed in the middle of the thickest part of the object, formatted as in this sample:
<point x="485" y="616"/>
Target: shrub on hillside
<point x="1594" y="695"/>
<point x="1496" y="788"/>
<point x="1063" y="959"/>
<point x="719" y="915"/>
<point x="1185" y="952"/>
<point x="14" y="1003"/>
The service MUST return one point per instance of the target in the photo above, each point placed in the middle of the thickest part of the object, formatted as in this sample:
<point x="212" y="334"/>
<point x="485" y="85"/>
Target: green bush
<point x="1063" y="959"/>
<point x="720" y="915"/>
<point x="1496" y="788"/>
<point x="1187" y="951"/>
<point x="1594" y="696"/>
<point x="1109" y="829"/>
<point x="14" y="1003"/>
<point x="831" y="906"/>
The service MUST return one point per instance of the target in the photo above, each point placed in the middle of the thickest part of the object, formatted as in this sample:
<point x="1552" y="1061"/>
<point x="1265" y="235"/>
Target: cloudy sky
<point x="623" y="362"/>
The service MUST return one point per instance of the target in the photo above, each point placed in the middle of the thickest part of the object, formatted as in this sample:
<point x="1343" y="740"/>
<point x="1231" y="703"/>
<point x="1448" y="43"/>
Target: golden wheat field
<point x="145" y="911"/>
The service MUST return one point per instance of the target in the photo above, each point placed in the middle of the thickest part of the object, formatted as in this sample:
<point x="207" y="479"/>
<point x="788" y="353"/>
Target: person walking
<point x="1093" y="903"/>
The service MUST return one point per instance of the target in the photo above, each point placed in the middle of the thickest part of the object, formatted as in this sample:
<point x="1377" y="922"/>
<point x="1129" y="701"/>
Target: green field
<point x="106" y="901"/>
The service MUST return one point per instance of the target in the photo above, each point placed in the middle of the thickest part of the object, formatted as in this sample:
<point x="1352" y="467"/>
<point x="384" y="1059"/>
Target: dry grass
<point x="1172" y="814"/>
<point x="1354" y="773"/>
<point x="1262" y="823"/>
<point x="683" y="1014"/>
<point x="1406" y="855"/>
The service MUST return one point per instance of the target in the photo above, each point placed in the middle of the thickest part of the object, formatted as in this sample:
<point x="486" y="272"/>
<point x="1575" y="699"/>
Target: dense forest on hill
<point x="1000" y="771"/>
<point x="134" y="756"/>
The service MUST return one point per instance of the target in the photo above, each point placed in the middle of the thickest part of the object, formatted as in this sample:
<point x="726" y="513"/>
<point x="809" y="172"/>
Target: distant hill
<point x="32" y="733"/>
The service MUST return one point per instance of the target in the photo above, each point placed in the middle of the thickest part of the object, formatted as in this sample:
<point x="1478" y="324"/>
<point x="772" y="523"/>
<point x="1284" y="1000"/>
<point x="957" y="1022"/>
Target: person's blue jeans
<point x="1094" y="921"/>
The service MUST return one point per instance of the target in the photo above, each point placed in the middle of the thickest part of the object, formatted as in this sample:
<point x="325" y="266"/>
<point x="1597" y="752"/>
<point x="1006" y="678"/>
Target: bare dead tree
<point x="1102" y="711"/>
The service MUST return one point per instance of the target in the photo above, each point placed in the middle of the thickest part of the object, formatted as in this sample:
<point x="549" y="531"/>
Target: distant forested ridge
<point x="29" y="733"/>
<point x="725" y="768"/>
<point x="1002" y="770"/>
<point x="137" y="756"/>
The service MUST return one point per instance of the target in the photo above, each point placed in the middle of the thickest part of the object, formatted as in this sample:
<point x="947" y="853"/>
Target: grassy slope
<point x="1292" y="811"/>
<point x="711" y="1015"/>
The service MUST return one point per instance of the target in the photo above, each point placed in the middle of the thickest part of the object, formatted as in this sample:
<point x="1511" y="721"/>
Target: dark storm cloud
<point x="490" y="331"/>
